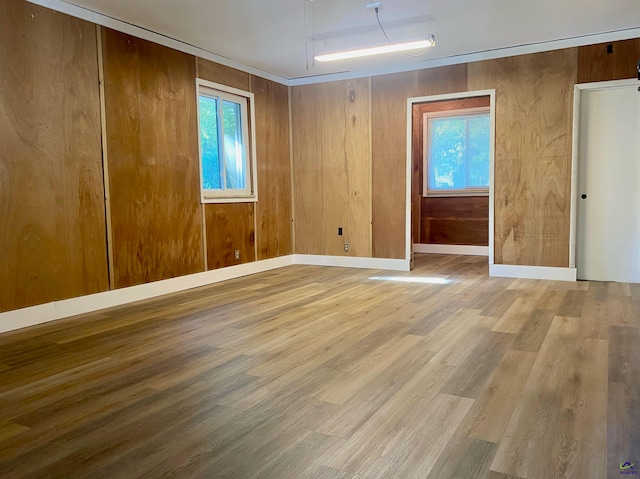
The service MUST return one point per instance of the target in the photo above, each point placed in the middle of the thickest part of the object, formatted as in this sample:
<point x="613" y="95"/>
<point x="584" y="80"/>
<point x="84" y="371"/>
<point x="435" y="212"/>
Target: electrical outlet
<point x="237" y="254"/>
<point x="346" y="247"/>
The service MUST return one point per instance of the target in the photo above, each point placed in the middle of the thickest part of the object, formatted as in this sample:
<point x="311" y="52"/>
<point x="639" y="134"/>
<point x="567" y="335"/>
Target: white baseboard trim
<point x="451" y="249"/>
<point x="22" y="318"/>
<point x="42" y="313"/>
<point x="352" y="262"/>
<point x="533" y="272"/>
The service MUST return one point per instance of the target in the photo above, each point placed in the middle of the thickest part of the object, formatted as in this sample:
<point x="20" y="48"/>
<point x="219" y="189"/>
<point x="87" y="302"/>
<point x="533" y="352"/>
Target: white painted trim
<point x="451" y="249"/>
<point x="607" y="85"/>
<point x="474" y="57"/>
<point x="491" y="93"/>
<point x="533" y="272"/>
<point x="492" y="166"/>
<point x="43" y="313"/>
<point x="130" y="29"/>
<point x="352" y="262"/>
<point x="408" y="182"/>
<point x="241" y="97"/>
<point x="575" y="153"/>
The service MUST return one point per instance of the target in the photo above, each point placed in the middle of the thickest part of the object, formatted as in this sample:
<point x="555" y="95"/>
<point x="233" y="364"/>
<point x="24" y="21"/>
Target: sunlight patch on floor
<point x="412" y="279"/>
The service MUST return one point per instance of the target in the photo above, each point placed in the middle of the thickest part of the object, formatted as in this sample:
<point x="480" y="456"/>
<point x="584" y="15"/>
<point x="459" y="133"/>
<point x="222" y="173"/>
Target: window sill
<point x="229" y="199"/>
<point x="455" y="194"/>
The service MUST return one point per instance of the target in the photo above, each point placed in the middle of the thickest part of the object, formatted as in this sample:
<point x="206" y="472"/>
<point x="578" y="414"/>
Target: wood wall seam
<point x="105" y="160"/>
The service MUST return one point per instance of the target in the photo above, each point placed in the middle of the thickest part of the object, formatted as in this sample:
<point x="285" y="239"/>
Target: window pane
<point x="209" y="143"/>
<point x="447" y="153"/>
<point x="479" y="151"/>
<point x="233" y="148"/>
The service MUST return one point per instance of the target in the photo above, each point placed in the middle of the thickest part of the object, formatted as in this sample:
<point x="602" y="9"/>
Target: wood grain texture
<point x="153" y="160"/>
<point x="487" y="419"/>
<point x="52" y="237"/>
<point x="332" y="167"/>
<point x="462" y="231"/>
<point x="557" y="428"/>
<point x="230" y="228"/>
<point x="534" y="96"/>
<point x="274" y="207"/>
<point x="464" y="457"/>
<point x="215" y="72"/>
<point x="595" y="64"/>
<point x="312" y="372"/>
<point x="389" y="95"/>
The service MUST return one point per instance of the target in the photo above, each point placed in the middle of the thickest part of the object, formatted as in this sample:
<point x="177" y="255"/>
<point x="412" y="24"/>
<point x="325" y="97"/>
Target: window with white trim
<point x="456" y="152"/>
<point x="227" y="159"/>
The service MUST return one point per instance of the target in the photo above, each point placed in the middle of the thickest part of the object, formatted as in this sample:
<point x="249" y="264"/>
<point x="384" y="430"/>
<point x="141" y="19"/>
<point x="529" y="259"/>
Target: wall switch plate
<point x="237" y="254"/>
<point x="339" y="231"/>
<point x="346" y="247"/>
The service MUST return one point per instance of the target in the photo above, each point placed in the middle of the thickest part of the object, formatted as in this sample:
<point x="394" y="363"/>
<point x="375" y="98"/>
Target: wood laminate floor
<point x="333" y="373"/>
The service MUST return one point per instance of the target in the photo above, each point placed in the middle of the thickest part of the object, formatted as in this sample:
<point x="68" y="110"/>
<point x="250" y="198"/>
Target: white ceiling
<point x="270" y="34"/>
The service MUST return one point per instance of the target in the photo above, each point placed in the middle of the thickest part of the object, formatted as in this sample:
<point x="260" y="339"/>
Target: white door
<point x="608" y="221"/>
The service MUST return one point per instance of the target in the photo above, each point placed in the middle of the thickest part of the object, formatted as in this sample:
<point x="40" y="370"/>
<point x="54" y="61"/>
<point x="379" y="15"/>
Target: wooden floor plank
<point x="534" y="330"/>
<point x="557" y="429"/>
<point x="490" y="414"/>
<point x="333" y="373"/>
<point x="469" y="379"/>
<point x="464" y="457"/>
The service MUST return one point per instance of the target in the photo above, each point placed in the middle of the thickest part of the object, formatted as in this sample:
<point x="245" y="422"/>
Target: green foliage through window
<point x="222" y="143"/>
<point x="458" y="153"/>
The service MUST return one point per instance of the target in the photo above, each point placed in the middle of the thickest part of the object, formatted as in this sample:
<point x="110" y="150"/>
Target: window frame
<point x="427" y="116"/>
<point x="246" y="101"/>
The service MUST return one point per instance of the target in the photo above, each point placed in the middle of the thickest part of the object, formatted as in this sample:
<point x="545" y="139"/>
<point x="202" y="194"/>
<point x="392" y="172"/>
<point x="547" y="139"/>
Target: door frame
<point x="491" y="93"/>
<point x="575" y="153"/>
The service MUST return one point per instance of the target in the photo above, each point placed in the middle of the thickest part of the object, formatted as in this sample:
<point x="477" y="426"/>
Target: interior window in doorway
<point x="456" y="152"/>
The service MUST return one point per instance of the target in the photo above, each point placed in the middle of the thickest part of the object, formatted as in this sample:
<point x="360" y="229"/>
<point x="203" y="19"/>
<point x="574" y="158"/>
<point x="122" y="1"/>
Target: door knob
<point x="583" y="196"/>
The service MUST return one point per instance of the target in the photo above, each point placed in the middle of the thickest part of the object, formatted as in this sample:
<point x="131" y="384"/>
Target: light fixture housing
<point x="365" y="52"/>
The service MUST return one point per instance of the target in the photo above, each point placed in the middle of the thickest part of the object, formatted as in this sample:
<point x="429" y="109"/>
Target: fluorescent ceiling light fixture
<point x="412" y="279"/>
<point x="365" y="52"/>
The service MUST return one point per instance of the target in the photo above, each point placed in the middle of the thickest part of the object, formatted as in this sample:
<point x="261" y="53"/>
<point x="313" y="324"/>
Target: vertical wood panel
<point x="52" y="220"/>
<point x="229" y="228"/>
<point x="389" y="95"/>
<point x="225" y="75"/>
<point x="534" y="96"/>
<point x="332" y="164"/>
<point x="595" y="64"/>
<point x="273" y="209"/>
<point x="153" y="160"/>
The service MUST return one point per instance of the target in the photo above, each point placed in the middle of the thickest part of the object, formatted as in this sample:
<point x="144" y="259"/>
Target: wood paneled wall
<point x="332" y="167"/>
<point x="595" y="63"/>
<point x="230" y="227"/>
<point x="53" y="233"/>
<point x="153" y="160"/>
<point x="52" y="217"/>
<point x="462" y="220"/>
<point x="389" y="95"/>
<point x="349" y="154"/>
<point x="532" y="174"/>
<point x="274" y="207"/>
